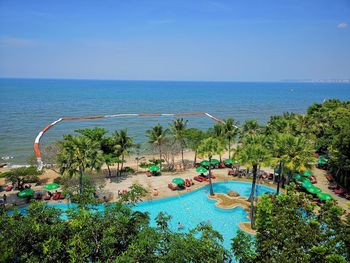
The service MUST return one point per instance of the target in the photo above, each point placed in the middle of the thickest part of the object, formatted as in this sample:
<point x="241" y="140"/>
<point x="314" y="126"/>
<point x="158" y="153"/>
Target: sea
<point x="28" y="105"/>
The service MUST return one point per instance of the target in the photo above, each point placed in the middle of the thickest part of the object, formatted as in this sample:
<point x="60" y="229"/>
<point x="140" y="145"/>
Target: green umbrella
<point x="307" y="173"/>
<point x="296" y="177"/>
<point x="307" y="184"/>
<point x="313" y="190"/>
<point x="214" y="161"/>
<point x="154" y="168"/>
<point x="321" y="161"/>
<point x="204" y="163"/>
<point x="201" y="170"/>
<point x="26" y="193"/>
<point x="229" y="161"/>
<point x="305" y="179"/>
<point x="324" y="196"/>
<point x="52" y="186"/>
<point x="178" y="181"/>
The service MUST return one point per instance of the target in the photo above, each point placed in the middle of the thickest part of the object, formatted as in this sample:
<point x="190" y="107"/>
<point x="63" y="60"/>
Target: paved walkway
<point x="322" y="183"/>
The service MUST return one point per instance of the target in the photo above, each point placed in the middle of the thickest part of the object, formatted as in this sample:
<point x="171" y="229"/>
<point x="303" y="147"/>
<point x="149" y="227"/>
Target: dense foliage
<point x="118" y="234"/>
<point x="289" y="229"/>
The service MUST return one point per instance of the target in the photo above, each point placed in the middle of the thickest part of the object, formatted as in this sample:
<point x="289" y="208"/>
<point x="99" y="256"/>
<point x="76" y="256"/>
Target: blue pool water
<point x="195" y="207"/>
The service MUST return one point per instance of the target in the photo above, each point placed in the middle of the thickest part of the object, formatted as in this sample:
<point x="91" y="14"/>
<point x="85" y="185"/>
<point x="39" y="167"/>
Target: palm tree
<point x="207" y="149"/>
<point x="218" y="132"/>
<point x="251" y="127"/>
<point x="253" y="154"/>
<point x="157" y="137"/>
<point x="178" y="128"/>
<point x="123" y="143"/>
<point x="194" y="137"/>
<point x="230" y="131"/>
<point x="279" y="143"/>
<point x="79" y="153"/>
<point x="299" y="154"/>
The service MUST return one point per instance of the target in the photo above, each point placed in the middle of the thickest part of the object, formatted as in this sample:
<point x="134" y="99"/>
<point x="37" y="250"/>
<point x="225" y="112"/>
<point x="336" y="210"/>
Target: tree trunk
<point x="279" y="177"/>
<point x="160" y="157"/>
<point x="195" y="158"/>
<point x="229" y="149"/>
<point x="118" y="167"/>
<point x="121" y="168"/>
<point x="251" y="198"/>
<point x="182" y="158"/>
<point x="109" y="171"/>
<point x="211" y="186"/>
<point x="81" y="180"/>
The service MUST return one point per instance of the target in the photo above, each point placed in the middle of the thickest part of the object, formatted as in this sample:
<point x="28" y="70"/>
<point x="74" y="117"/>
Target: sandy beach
<point x="160" y="183"/>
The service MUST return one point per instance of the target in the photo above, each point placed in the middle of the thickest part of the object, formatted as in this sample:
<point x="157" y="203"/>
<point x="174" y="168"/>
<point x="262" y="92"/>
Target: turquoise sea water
<point x="26" y="106"/>
<point x="195" y="207"/>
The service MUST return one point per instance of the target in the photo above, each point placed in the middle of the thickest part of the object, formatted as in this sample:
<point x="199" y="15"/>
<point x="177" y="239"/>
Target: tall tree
<point x="178" y="129"/>
<point x="217" y="131"/>
<point x="157" y="137"/>
<point x="207" y="149"/>
<point x="298" y="155"/>
<point x="254" y="153"/>
<point x="194" y="137"/>
<point x="230" y="131"/>
<point x="123" y="144"/>
<point x="77" y="154"/>
<point x="279" y="143"/>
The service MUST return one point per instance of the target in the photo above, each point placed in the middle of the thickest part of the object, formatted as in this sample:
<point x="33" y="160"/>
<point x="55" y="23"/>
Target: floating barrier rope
<point x="41" y="133"/>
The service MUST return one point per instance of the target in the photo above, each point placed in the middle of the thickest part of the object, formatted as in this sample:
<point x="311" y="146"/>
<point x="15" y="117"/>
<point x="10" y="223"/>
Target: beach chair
<point x="172" y="187"/>
<point x="9" y="188"/>
<point x="313" y="179"/>
<point x="199" y="178"/>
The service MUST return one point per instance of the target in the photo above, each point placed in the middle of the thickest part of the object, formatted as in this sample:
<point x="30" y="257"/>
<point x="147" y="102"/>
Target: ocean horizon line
<point x="323" y="81"/>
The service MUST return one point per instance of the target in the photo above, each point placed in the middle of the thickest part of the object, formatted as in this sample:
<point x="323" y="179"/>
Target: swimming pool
<point x="193" y="208"/>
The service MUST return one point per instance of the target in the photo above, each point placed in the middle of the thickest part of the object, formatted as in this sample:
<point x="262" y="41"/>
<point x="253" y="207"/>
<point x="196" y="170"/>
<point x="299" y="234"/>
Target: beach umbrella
<point x="154" y="168"/>
<point x="26" y="193"/>
<point x="201" y="170"/>
<point x="204" y="163"/>
<point x="178" y="181"/>
<point x="321" y="161"/>
<point x="307" y="173"/>
<point x="307" y="184"/>
<point x="214" y="161"/>
<point x="313" y="190"/>
<point x="52" y="186"/>
<point x="296" y="177"/>
<point x="229" y="161"/>
<point x="324" y="196"/>
<point x="305" y="179"/>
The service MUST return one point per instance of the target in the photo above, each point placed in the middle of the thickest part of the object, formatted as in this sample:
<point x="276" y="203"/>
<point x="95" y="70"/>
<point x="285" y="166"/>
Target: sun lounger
<point x="222" y="165"/>
<point x="231" y="172"/>
<point x="199" y="178"/>
<point x="313" y="179"/>
<point x="9" y="188"/>
<point x="339" y="191"/>
<point x="330" y="178"/>
<point x="172" y="187"/>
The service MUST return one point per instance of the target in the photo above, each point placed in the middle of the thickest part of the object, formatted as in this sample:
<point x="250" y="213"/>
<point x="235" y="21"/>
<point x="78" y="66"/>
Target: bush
<point x="128" y="170"/>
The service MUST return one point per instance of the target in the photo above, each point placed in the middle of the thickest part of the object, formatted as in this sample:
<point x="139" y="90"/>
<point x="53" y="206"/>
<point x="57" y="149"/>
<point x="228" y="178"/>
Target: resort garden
<point x="292" y="223"/>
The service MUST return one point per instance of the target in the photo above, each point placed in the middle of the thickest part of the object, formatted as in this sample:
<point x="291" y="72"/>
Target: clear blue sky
<point x="240" y="40"/>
